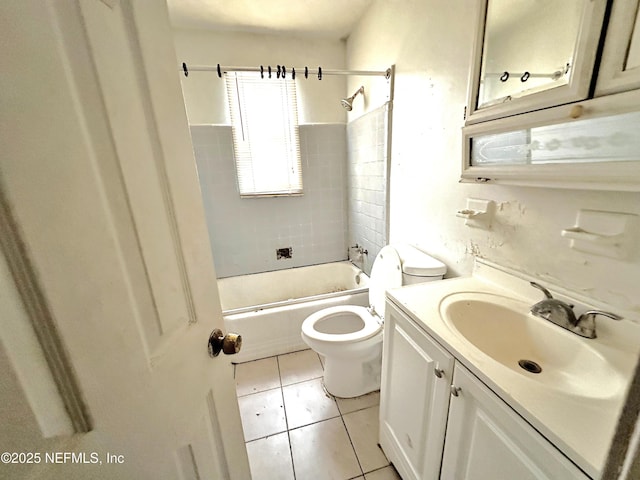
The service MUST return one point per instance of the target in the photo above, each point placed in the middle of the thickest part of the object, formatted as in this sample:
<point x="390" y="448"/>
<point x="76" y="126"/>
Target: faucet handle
<point x="586" y="325"/>
<point x="547" y="293"/>
<point x="542" y="289"/>
<point x="592" y="314"/>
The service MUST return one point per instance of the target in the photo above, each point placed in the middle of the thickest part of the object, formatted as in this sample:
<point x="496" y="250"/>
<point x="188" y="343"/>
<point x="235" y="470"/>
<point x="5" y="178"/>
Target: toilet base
<point x="346" y="378"/>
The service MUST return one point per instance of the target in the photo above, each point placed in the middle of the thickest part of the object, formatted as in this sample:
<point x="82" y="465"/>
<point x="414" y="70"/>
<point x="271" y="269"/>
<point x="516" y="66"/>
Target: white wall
<point x="430" y="42"/>
<point x="204" y="92"/>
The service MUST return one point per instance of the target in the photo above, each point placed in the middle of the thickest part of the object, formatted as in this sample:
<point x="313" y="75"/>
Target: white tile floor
<point x="295" y="431"/>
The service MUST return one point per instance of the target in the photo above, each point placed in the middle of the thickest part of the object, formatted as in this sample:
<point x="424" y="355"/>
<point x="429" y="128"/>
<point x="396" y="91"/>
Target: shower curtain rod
<point x="282" y="70"/>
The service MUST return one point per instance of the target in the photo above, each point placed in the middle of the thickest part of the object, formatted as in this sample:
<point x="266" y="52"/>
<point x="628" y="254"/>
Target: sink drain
<point x="530" y="366"/>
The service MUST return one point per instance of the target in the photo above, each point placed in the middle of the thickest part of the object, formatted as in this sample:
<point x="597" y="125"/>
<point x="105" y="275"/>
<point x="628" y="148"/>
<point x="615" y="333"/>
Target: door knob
<point x="455" y="391"/>
<point x="439" y="372"/>
<point x="229" y="343"/>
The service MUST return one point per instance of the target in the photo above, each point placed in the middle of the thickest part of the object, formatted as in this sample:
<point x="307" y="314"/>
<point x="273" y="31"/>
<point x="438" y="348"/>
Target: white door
<point x="98" y="171"/>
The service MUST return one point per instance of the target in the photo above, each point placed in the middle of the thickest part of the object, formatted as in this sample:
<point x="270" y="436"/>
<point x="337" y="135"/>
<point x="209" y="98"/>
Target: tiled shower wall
<point x="367" y="141"/>
<point x="245" y="233"/>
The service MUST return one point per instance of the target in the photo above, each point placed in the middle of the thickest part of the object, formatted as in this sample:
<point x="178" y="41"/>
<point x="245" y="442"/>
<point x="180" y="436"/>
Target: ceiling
<point x="330" y="19"/>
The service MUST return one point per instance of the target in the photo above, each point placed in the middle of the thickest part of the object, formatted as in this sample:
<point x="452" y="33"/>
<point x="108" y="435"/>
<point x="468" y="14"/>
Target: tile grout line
<point x="312" y="423"/>
<point x="281" y="386"/>
<point x="261" y="391"/>
<point x="344" y="424"/>
<point x="286" y="419"/>
<point x="284" y="406"/>
<point x="352" y="446"/>
<point x="270" y="356"/>
<point x="380" y="468"/>
<point x="294" y="428"/>
<point x="287" y="426"/>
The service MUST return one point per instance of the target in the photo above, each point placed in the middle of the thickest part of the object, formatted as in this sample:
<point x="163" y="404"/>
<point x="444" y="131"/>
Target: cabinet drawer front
<point x="486" y="439"/>
<point x="414" y="400"/>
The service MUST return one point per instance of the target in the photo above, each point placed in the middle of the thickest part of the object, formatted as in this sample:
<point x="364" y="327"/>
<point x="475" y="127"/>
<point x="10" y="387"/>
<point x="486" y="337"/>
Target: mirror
<point x="532" y="54"/>
<point x="528" y="47"/>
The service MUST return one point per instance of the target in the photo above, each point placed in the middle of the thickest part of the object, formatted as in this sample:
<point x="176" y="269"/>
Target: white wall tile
<point x="367" y="179"/>
<point x="244" y="233"/>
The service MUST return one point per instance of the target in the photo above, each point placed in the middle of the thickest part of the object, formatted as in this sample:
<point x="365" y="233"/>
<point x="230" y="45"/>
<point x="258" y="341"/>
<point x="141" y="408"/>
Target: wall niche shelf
<point x="478" y="213"/>
<point x="607" y="234"/>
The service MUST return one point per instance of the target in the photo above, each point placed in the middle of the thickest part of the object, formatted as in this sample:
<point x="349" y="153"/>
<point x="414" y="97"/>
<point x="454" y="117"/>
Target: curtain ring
<point x="219" y="71"/>
<point x="504" y="77"/>
<point x="261" y="71"/>
<point x="525" y="76"/>
<point x="306" y="72"/>
<point x="269" y="71"/>
<point x="284" y="72"/>
<point x="185" y="69"/>
<point x="319" y="73"/>
<point x="278" y="73"/>
<point x="293" y="73"/>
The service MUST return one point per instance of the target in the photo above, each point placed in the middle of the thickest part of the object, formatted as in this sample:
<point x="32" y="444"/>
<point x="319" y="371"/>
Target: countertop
<point x="581" y="427"/>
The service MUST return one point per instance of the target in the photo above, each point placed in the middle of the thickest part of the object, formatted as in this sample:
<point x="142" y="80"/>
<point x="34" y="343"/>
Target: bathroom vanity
<point x="455" y="403"/>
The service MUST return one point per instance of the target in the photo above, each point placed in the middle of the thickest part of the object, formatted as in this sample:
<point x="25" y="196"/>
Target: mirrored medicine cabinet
<point x="532" y="54"/>
<point x="549" y="132"/>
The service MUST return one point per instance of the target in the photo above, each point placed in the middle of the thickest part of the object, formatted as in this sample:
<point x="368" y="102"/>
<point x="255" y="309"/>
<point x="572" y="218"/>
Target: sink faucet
<point x="562" y="314"/>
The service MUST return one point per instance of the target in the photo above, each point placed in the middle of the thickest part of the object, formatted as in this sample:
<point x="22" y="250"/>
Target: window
<point x="264" y="116"/>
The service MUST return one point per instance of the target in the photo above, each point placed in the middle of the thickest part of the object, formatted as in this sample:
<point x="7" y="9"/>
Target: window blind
<point x="264" y="117"/>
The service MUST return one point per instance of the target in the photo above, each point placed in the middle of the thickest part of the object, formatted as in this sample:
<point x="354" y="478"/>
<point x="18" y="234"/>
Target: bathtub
<point x="268" y="309"/>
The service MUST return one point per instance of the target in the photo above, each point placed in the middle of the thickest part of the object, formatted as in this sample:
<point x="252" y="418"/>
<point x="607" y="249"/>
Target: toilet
<point x="350" y="336"/>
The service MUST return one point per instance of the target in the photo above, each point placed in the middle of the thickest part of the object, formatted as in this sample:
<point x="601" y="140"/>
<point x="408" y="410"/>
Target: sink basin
<point x="502" y="329"/>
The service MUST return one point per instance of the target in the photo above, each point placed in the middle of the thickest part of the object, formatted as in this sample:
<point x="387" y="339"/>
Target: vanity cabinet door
<point x="486" y="439"/>
<point x="416" y="375"/>
<point x="620" y="64"/>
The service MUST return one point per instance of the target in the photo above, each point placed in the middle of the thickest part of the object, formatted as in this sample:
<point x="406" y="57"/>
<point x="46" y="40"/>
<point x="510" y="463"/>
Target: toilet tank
<point x="417" y="266"/>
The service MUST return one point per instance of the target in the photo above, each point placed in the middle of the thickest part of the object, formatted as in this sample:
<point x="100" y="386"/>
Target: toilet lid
<point x="385" y="274"/>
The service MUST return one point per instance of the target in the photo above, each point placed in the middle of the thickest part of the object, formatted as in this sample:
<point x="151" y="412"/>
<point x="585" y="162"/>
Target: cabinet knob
<point x="576" y="111"/>
<point x="439" y="372"/>
<point x="455" y="391"/>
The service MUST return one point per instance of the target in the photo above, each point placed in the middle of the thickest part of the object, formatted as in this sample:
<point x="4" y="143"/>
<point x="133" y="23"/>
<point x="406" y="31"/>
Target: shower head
<point x="347" y="103"/>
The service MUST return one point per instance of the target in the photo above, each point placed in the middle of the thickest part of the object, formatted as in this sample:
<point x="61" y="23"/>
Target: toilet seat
<point x="349" y="337"/>
<point x="371" y="324"/>
<point x="386" y="273"/>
